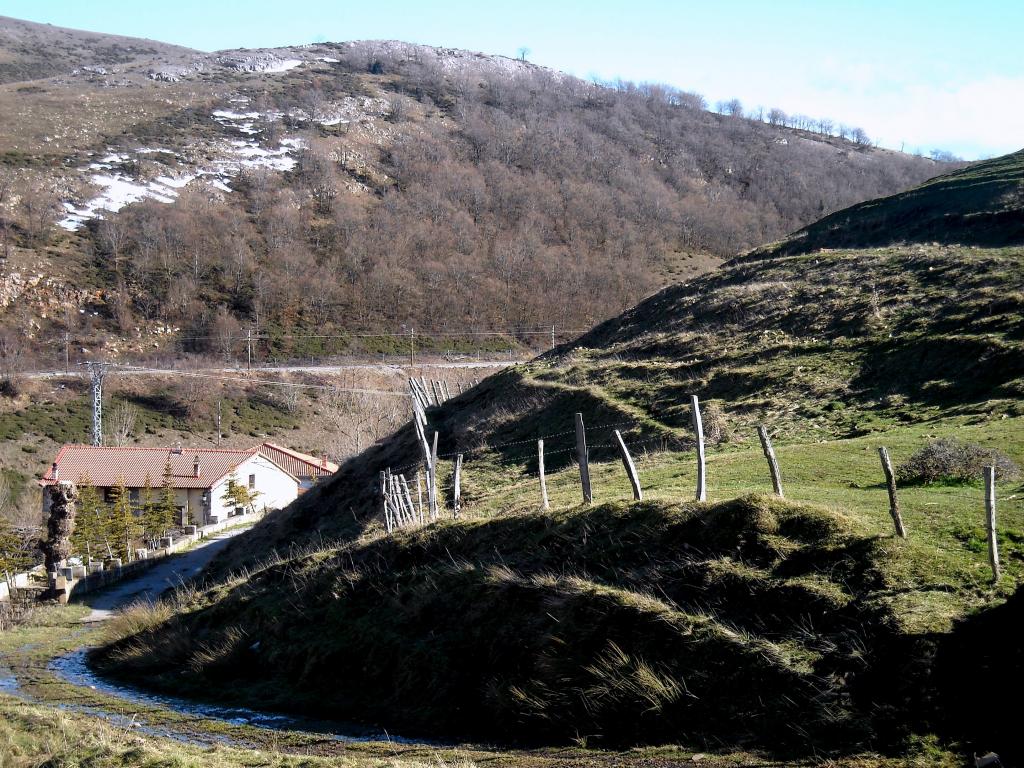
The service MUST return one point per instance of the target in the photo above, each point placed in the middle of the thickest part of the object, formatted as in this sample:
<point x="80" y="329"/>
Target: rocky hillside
<point x="30" y="51"/>
<point x="317" y="190"/>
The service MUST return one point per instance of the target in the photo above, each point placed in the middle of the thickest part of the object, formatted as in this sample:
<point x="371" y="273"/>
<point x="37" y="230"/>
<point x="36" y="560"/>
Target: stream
<point x="73" y="669"/>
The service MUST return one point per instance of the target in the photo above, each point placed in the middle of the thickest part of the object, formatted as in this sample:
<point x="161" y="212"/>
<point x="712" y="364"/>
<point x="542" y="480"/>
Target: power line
<point x="262" y="382"/>
<point x="546" y="331"/>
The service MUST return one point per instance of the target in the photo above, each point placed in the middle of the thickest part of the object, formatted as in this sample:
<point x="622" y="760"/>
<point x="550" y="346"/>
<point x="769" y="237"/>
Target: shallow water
<point x="72" y="668"/>
<point x="8" y="682"/>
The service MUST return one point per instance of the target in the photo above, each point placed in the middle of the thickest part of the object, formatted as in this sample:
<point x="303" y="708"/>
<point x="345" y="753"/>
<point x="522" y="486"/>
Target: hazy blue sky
<point x="932" y="73"/>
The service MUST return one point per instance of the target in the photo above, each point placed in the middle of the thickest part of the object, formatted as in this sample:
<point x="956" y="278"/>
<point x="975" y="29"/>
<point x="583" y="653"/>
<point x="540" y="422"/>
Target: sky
<point x="916" y="75"/>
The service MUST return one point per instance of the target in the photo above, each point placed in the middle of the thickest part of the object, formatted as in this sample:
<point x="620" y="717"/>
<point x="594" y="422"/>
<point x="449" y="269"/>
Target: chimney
<point x="55" y="473"/>
<point x="195" y="467"/>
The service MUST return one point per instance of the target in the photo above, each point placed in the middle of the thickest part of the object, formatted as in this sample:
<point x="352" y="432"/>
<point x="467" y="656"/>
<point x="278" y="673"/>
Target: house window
<point x="252" y="481"/>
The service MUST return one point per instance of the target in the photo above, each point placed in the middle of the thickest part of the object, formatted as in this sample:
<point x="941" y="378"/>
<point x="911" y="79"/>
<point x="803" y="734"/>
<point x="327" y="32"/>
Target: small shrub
<point x="716" y="428"/>
<point x="9" y="387"/>
<point x="949" y="460"/>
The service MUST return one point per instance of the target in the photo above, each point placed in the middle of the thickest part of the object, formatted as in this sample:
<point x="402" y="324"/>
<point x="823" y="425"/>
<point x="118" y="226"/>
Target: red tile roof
<point x="107" y="466"/>
<point x="298" y="463"/>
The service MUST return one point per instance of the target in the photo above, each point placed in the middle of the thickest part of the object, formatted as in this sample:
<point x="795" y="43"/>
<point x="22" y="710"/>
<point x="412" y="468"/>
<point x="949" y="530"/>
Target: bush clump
<point x="950" y="460"/>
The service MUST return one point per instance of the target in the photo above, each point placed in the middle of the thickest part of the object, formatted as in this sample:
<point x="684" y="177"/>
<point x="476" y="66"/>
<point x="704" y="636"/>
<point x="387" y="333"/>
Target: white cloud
<point x="972" y="118"/>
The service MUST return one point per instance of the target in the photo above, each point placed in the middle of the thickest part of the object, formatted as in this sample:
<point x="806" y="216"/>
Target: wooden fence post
<point x="397" y="494"/>
<point x="397" y="505"/>
<point x="627" y="462"/>
<point x="408" y="498"/>
<point x="540" y="469"/>
<point x="581" y="457"/>
<point x="447" y="392"/>
<point x="432" y="481"/>
<point x="437" y="391"/>
<point x="457" y="492"/>
<point x="423" y="386"/>
<point x="419" y="493"/>
<point x="773" y="464"/>
<point x="384" y="500"/>
<point x="698" y="430"/>
<point x="990" y="521"/>
<point x="890" y="482"/>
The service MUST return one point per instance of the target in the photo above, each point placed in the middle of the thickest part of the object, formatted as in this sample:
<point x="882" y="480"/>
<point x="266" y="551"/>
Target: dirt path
<point x="151" y="583"/>
<point x="297" y="368"/>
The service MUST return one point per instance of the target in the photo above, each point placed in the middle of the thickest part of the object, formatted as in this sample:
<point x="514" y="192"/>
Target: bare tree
<point x="113" y="236"/>
<point x="522" y="52"/>
<point x="858" y="136"/>
<point x="122" y="423"/>
<point x="354" y="421"/>
<point x="6" y="187"/>
<point x="732" y="107"/>
<point x="12" y="354"/>
<point x="39" y="208"/>
<point x="6" y="497"/>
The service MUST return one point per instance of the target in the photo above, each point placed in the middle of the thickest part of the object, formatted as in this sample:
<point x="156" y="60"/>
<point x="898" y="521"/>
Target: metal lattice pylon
<point x="97" y="370"/>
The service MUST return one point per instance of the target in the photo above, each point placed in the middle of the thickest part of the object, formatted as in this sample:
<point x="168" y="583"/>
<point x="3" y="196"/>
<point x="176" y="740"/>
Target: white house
<point x="308" y="469"/>
<point x="199" y="476"/>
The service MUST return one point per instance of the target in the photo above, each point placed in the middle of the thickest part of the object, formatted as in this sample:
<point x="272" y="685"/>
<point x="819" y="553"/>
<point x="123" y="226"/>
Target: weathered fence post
<point x="397" y="506"/>
<point x="627" y="462"/>
<point x="447" y="392"/>
<point x="408" y="498"/>
<point x="419" y="493"/>
<point x="384" y="499"/>
<point x="457" y="491"/>
<point x="432" y="480"/>
<point x="890" y="482"/>
<point x="773" y="464"/>
<point x="437" y="391"/>
<point x="990" y="521"/>
<point x="540" y="469"/>
<point x="698" y="430"/>
<point x="581" y="457"/>
<point x="423" y="386"/>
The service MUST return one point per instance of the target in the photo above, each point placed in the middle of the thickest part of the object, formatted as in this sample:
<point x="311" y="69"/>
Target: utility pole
<point x="98" y="370"/>
<point x="248" y="348"/>
<point x="67" y="352"/>
<point x="219" y="432"/>
<point x="552" y="335"/>
<point x="412" y="347"/>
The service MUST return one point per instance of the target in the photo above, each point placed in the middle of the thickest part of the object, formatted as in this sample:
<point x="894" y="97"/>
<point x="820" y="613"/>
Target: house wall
<point x="277" y="489"/>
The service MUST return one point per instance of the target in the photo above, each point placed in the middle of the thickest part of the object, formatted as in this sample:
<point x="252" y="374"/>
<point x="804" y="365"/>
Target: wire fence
<point x="670" y="470"/>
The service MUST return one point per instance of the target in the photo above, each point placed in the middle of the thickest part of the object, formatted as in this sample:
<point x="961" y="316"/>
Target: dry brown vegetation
<point x="465" y="194"/>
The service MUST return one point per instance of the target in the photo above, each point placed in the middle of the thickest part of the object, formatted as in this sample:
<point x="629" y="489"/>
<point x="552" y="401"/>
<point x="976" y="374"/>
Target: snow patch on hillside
<point x="284" y="66"/>
<point x="119" y="191"/>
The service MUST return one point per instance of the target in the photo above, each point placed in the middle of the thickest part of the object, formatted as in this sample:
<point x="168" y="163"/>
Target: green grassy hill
<point x="792" y="628"/>
<point x="982" y="204"/>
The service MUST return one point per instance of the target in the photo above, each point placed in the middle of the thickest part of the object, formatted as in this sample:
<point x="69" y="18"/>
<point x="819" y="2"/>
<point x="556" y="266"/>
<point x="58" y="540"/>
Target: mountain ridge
<point x="327" y="189"/>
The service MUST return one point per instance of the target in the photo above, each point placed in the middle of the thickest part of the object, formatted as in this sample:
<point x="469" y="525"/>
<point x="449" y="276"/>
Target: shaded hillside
<point x="326" y="189"/>
<point x="535" y="632"/>
<point x="979" y="205"/>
